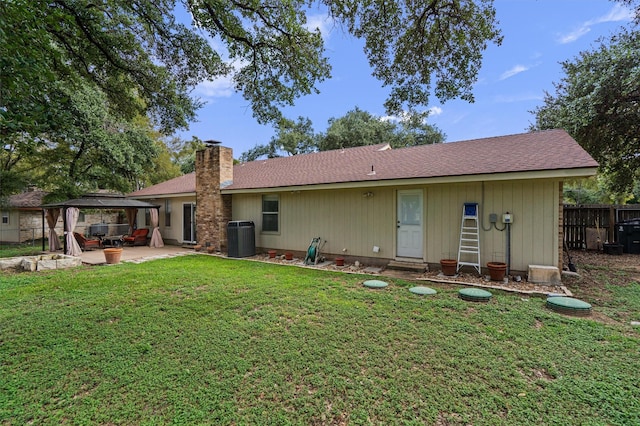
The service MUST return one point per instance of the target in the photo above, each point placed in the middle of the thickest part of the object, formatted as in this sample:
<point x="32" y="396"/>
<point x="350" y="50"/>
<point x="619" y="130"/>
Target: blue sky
<point x="538" y="35"/>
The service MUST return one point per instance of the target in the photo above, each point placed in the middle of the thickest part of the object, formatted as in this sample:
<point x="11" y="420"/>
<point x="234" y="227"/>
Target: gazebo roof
<point x="103" y="203"/>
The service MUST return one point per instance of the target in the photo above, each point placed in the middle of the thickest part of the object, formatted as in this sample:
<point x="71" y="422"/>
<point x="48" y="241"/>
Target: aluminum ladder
<point x="469" y="247"/>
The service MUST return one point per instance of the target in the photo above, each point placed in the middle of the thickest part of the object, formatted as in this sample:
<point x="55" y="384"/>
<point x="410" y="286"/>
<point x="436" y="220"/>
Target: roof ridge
<point x="383" y="146"/>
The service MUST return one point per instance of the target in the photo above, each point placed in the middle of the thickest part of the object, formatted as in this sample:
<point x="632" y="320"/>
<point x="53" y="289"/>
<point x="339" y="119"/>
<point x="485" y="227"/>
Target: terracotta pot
<point x="339" y="261"/>
<point x="497" y="270"/>
<point x="197" y="247"/>
<point x="211" y="249"/>
<point x="272" y="254"/>
<point x="288" y="255"/>
<point x="449" y="266"/>
<point x="112" y="255"/>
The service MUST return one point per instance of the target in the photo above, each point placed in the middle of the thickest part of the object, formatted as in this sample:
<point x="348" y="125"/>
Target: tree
<point x="408" y="42"/>
<point x="591" y="190"/>
<point x="145" y="63"/>
<point x="359" y="128"/>
<point x="92" y="150"/>
<point x="161" y="168"/>
<point x="184" y="153"/>
<point x="355" y="128"/>
<point x="291" y="138"/>
<point x="598" y="103"/>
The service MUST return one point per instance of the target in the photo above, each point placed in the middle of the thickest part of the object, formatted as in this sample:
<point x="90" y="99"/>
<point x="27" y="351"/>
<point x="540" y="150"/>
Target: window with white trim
<point x="270" y="213"/>
<point x="167" y="212"/>
<point x="5" y="217"/>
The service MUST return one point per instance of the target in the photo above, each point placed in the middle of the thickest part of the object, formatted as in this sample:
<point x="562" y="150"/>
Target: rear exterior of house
<point x="415" y="223"/>
<point x="177" y="200"/>
<point x="377" y="204"/>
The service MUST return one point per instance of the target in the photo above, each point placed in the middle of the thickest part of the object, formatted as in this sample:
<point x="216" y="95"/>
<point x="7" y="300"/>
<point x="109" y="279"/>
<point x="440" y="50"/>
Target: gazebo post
<point x="42" y="229"/>
<point x="64" y="224"/>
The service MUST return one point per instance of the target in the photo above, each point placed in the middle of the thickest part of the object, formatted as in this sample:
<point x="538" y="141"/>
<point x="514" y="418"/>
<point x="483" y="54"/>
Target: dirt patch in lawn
<point x="598" y="270"/>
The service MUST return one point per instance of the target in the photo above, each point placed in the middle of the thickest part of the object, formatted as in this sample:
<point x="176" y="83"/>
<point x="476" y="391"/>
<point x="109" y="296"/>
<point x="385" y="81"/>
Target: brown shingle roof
<point x="527" y="152"/>
<point x="27" y="200"/>
<point x="179" y="185"/>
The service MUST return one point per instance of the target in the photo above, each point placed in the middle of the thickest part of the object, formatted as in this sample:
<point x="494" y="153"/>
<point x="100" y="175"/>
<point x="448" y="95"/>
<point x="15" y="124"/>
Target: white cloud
<point x="513" y="71"/>
<point x="574" y="35"/>
<point x="219" y="88"/>
<point x="322" y="22"/>
<point x="616" y="14"/>
<point x="433" y="111"/>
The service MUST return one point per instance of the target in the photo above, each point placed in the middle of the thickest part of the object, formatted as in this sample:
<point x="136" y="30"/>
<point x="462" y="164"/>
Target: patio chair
<point x="85" y="243"/>
<point x="137" y="238"/>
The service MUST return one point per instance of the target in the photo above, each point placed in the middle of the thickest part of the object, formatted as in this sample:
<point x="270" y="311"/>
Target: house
<point x="177" y="213"/>
<point x="22" y="219"/>
<point x="377" y="204"/>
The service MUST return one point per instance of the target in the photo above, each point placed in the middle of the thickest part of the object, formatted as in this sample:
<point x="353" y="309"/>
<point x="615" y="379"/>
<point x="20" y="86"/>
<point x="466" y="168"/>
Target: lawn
<point x="20" y="250"/>
<point x="205" y="340"/>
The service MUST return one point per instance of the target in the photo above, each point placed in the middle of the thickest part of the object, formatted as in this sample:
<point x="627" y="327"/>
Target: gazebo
<point x="71" y="208"/>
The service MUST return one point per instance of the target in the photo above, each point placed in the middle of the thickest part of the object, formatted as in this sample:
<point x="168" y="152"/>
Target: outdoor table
<point x="112" y="241"/>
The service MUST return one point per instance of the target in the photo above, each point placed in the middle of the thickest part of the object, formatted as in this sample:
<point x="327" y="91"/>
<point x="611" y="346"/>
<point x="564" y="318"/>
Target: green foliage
<point x="184" y="153"/>
<point x="139" y="61"/>
<point x="204" y="340"/>
<point x="355" y="128"/>
<point x="359" y="128"/>
<point x="593" y="190"/>
<point x="162" y="168"/>
<point x="409" y="42"/>
<point x="597" y="102"/>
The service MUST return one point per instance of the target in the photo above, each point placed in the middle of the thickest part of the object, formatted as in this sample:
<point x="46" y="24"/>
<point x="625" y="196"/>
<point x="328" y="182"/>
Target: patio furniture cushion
<point x="85" y="243"/>
<point x="137" y="238"/>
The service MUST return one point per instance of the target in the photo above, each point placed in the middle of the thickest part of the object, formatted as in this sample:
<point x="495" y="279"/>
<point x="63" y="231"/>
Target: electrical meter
<point x="507" y="218"/>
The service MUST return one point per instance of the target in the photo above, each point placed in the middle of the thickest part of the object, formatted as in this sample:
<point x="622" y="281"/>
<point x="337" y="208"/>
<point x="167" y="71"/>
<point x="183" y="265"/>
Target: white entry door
<point x="410" y="224"/>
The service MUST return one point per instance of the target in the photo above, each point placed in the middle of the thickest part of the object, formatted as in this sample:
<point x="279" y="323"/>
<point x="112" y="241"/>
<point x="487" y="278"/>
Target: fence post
<point x="612" y="224"/>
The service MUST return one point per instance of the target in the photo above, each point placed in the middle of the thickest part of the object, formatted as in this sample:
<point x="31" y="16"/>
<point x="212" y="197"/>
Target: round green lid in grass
<point x="474" y="295"/>
<point x="568" y="305"/>
<point x="422" y="290"/>
<point x="375" y="284"/>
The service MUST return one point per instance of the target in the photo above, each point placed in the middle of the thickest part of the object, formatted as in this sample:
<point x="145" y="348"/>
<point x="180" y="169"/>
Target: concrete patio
<point x="136" y="254"/>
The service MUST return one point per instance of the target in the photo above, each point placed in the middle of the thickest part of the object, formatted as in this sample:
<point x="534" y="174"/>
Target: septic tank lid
<point x="474" y="295"/>
<point x="568" y="305"/>
<point x="375" y="284"/>
<point x="422" y="290"/>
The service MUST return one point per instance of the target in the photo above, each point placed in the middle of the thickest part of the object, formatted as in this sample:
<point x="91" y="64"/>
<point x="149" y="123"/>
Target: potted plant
<point x="112" y="255"/>
<point x="497" y="270"/>
<point x="449" y="266"/>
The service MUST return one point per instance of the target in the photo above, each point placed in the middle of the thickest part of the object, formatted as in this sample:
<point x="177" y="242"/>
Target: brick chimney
<point x="214" y="167"/>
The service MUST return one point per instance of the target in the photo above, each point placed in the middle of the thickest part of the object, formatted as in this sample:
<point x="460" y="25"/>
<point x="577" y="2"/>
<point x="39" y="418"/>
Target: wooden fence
<point x="585" y="225"/>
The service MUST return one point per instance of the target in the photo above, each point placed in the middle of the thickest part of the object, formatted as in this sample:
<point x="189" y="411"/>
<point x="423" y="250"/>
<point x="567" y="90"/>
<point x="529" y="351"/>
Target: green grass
<point x="203" y="340"/>
<point x="20" y="250"/>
